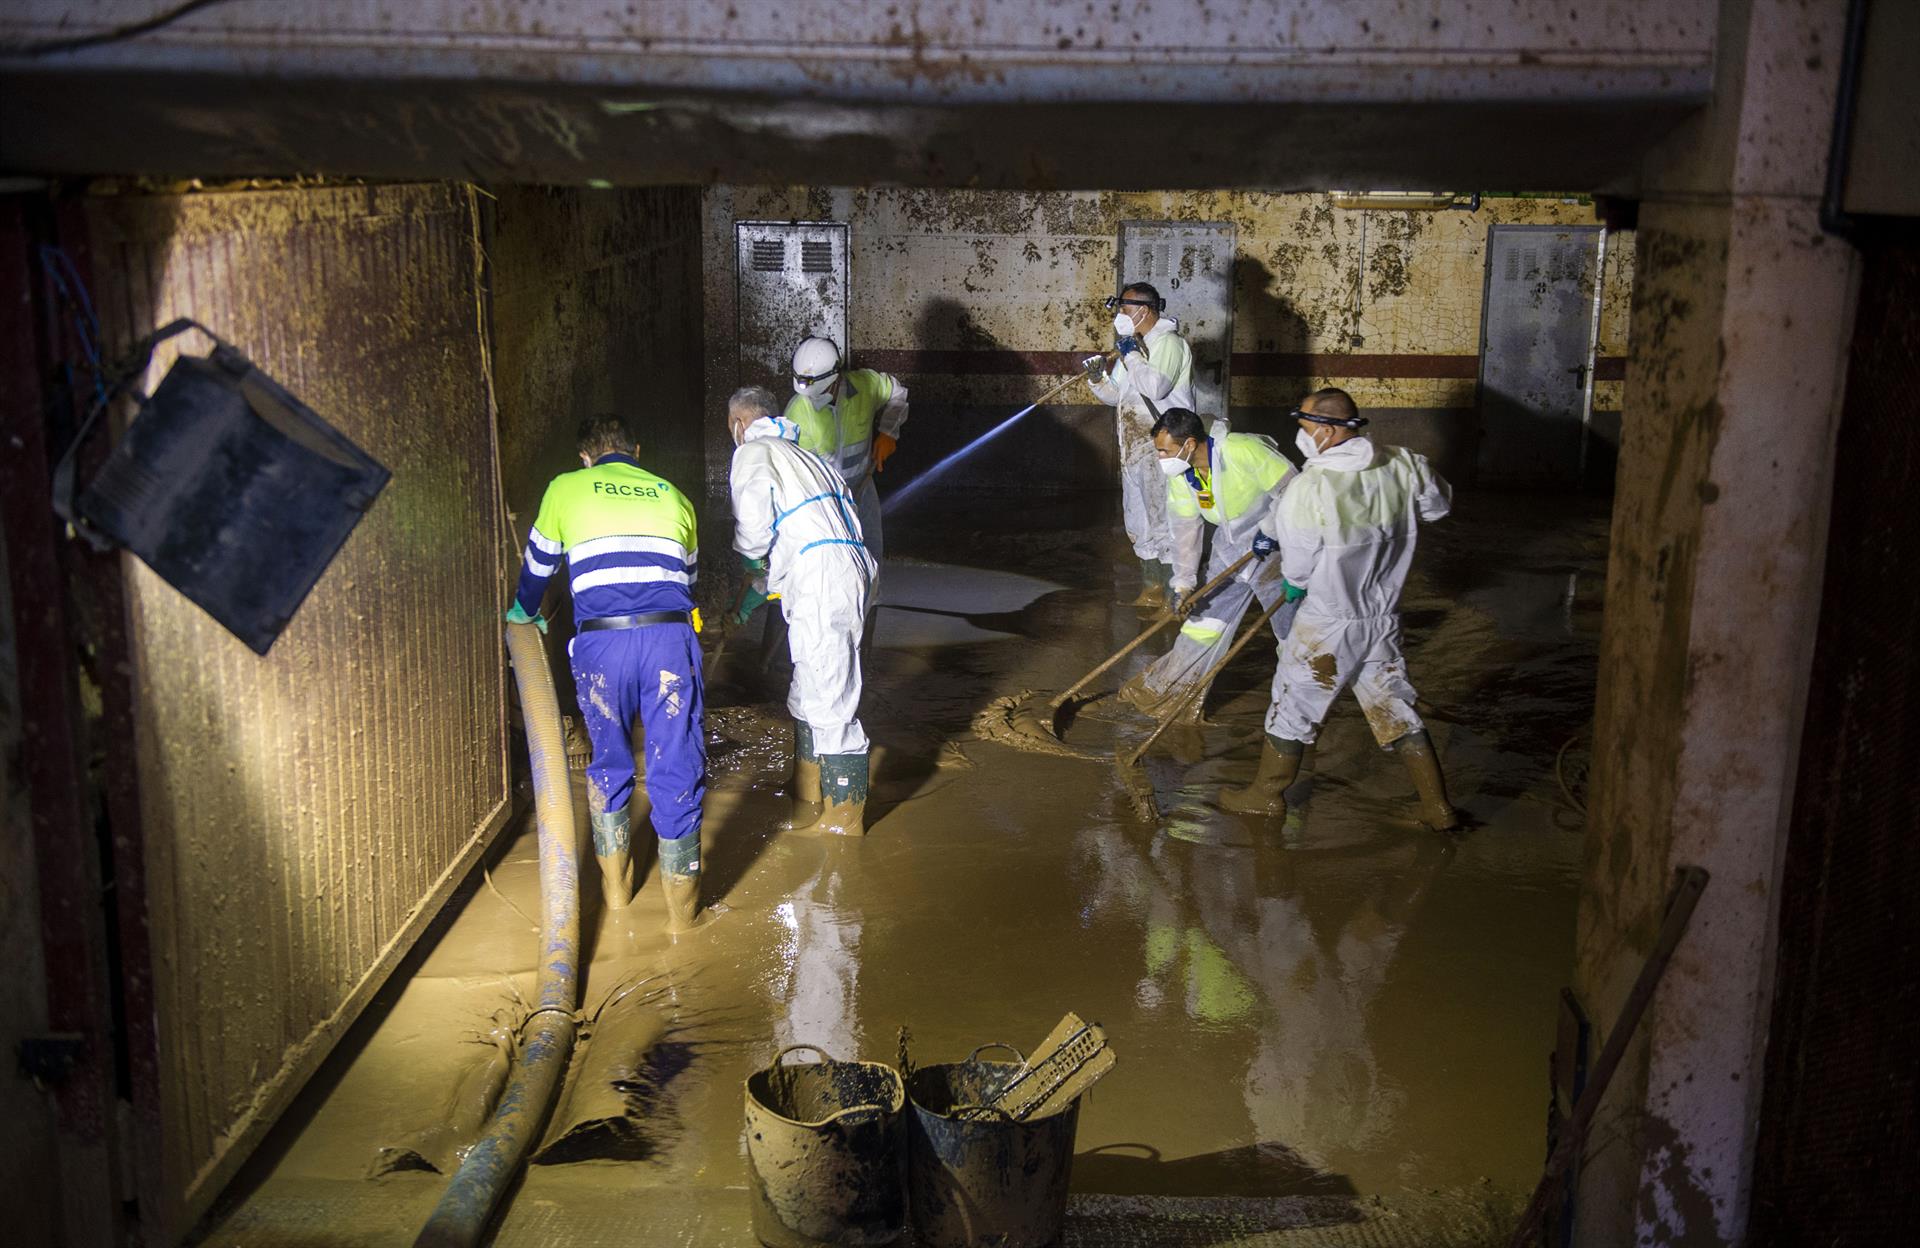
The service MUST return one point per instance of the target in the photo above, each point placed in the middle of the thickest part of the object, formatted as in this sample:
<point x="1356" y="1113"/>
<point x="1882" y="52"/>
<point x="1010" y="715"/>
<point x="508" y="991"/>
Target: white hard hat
<point x="816" y="366"/>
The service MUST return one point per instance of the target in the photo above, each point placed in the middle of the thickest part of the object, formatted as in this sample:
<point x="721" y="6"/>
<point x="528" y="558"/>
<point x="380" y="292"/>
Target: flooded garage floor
<point x="1343" y="1024"/>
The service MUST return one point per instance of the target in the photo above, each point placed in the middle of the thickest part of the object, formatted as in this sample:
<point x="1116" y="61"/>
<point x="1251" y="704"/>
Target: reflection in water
<point x="819" y="958"/>
<point x="1252" y="953"/>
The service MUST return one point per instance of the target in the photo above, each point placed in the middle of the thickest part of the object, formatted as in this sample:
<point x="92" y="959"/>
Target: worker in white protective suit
<point x="795" y="525"/>
<point x="852" y="419"/>
<point x="1227" y="480"/>
<point x="1346" y="531"/>
<point x="1154" y="373"/>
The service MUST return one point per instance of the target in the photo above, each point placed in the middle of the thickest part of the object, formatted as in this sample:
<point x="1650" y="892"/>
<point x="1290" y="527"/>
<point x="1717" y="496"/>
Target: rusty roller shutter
<point x="1840" y="1114"/>
<point x="305" y="813"/>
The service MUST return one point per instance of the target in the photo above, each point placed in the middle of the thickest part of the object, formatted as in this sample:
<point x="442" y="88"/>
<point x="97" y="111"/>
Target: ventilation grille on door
<point x="769" y="255"/>
<point x="816" y="257"/>
<point x="1155" y="260"/>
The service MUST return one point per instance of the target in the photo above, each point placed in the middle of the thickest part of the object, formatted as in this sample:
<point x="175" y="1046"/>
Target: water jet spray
<point x="913" y="487"/>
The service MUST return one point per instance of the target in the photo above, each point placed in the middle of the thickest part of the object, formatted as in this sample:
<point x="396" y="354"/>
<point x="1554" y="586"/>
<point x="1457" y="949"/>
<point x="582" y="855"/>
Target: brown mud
<point x="1340" y="1011"/>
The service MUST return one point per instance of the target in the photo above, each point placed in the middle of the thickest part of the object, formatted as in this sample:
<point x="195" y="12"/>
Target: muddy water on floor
<point x="1347" y="1004"/>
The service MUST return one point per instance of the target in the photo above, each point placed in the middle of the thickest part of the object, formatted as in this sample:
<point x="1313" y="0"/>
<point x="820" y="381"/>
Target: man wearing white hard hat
<point x="850" y="417"/>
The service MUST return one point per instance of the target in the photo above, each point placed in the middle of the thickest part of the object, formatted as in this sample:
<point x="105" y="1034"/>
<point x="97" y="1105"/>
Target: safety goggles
<point x="1339" y="422"/>
<point x="807" y="379"/>
<point x="1115" y="301"/>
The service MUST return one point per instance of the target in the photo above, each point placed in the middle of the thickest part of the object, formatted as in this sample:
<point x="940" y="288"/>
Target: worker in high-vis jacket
<point x="851" y="418"/>
<point x="795" y="524"/>
<point x="1152" y="374"/>
<point x="1346" y="531"/>
<point x="631" y="548"/>
<point x="1229" y="481"/>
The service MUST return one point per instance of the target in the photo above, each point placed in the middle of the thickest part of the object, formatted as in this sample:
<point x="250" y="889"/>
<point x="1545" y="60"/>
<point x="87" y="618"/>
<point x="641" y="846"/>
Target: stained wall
<point x="596" y="307"/>
<point x="304" y="813"/>
<point x="952" y="288"/>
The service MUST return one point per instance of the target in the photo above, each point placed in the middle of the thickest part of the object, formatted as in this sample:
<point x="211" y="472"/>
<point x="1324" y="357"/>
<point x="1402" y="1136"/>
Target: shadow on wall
<point x="1064" y="446"/>
<point x="1275" y="327"/>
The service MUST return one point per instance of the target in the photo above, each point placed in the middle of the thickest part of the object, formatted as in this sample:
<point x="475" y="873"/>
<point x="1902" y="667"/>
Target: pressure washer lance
<point x="912" y="487"/>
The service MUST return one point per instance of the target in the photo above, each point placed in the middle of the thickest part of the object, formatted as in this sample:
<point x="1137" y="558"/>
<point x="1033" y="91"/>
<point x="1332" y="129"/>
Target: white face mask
<point x="1307" y="445"/>
<point x="1123" y="324"/>
<point x="1173" y="467"/>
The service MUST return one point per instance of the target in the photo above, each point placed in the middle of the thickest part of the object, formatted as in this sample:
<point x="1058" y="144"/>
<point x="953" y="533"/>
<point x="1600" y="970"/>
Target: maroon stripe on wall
<point x="1245" y="364"/>
<point x="1283" y="364"/>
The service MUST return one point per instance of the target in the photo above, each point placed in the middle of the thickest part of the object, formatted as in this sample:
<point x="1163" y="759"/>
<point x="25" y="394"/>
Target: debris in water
<point x="1074" y="1056"/>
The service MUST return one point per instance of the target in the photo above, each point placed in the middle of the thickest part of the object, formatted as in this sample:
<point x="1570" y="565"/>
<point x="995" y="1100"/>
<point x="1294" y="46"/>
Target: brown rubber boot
<point x="1279" y="765"/>
<point x="680" y="880"/>
<point x="805" y="787"/>
<point x="1154" y="576"/>
<point x="843" y="779"/>
<point x="613" y="849"/>
<point x="1416" y="750"/>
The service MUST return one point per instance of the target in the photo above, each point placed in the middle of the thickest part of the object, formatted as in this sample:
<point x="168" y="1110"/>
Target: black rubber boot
<point x="1416" y="751"/>
<point x="613" y="848"/>
<point x="1279" y="765"/>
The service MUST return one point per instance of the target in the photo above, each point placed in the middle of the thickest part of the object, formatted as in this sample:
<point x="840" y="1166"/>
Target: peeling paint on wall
<point x="1385" y="304"/>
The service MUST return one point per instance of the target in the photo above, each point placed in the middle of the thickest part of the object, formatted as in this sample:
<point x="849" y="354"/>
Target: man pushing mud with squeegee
<point x="1230" y="481"/>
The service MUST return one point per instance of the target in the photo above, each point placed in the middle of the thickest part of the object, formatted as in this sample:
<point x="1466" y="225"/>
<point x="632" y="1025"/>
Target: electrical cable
<point x="116" y="34"/>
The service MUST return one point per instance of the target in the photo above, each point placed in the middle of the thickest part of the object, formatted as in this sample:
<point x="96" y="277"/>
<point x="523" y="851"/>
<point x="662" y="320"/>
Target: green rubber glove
<point x="754" y="596"/>
<point x="1292" y="592"/>
<point x="516" y="615"/>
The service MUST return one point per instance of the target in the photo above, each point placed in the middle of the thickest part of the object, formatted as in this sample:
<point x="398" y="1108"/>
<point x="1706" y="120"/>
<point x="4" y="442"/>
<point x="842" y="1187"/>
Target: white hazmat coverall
<point x="793" y="509"/>
<point x="1164" y="375"/>
<point x="1346" y="529"/>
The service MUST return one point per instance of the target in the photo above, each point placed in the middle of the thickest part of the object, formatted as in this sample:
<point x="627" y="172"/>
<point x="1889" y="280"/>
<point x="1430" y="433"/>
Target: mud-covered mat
<point x="601" y="1211"/>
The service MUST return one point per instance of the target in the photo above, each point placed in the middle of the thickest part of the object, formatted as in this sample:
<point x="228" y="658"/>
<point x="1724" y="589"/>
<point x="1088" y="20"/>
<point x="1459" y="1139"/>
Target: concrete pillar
<point x="1742" y="311"/>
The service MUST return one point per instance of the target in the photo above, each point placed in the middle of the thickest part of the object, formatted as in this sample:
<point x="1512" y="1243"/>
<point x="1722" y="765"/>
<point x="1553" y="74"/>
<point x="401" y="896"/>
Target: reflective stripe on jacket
<point x="1246" y="473"/>
<point x="842" y="431"/>
<point x="628" y="537"/>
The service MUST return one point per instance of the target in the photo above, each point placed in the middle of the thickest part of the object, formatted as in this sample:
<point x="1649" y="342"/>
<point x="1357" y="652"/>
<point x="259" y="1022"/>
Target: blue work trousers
<point x="651" y="673"/>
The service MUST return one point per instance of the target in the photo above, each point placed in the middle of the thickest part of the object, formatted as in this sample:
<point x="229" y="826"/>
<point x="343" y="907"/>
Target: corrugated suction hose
<point x="548" y="1033"/>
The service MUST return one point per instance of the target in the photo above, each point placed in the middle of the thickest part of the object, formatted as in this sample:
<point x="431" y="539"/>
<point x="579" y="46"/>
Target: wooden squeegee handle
<point x="1165" y="618"/>
<point x="1201" y="685"/>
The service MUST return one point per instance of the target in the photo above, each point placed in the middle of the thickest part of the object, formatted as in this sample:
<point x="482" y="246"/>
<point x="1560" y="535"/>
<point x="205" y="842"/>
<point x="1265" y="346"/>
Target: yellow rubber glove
<point x="696" y="621"/>
<point x="883" y="445"/>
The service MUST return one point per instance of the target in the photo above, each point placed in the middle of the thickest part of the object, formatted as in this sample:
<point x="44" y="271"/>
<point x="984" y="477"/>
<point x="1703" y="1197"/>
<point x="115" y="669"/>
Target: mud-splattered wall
<point x="305" y="813"/>
<point x="596" y="298"/>
<point x="950" y="287"/>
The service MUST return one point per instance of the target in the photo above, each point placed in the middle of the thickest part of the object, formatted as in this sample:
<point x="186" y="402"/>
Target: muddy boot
<point x="843" y="781"/>
<point x="1279" y="764"/>
<point x="680" y="880"/>
<point x="1154" y="576"/>
<point x="804" y="789"/>
<point x="613" y="847"/>
<point x="1416" y="751"/>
